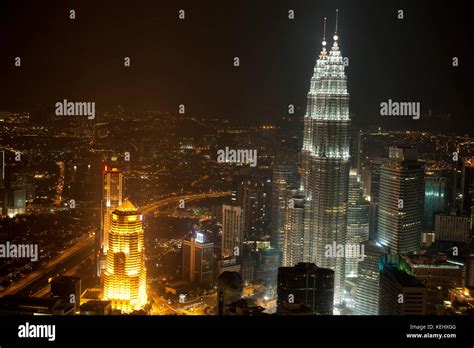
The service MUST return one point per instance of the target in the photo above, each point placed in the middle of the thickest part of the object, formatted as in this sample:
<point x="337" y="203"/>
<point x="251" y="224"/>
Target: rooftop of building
<point x="403" y="278"/>
<point x="431" y="260"/>
<point x="126" y="206"/>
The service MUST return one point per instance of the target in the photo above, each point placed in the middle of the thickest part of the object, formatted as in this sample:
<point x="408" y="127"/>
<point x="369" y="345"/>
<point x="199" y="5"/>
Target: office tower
<point x="308" y="285"/>
<point x="284" y="177"/>
<point x="437" y="274"/>
<point x="125" y="273"/>
<point x="13" y="194"/>
<point x="435" y="198"/>
<point x="467" y="187"/>
<point x="401" y="293"/>
<point x="357" y="151"/>
<point x="68" y="289"/>
<point x="253" y="193"/>
<point x="372" y="191"/>
<point x="249" y="267"/>
<point x="112" y="196"/>
<point x="229" y="290"/>
<point x="268" y="261"/>
<point x="368" y="279"/>
<point x="198" y="260"/>
<point x="232" y="230"/>
<point x="452" y="227"/>
<point x="357" y="221"/>
<point x="296" y="247"/>
<point x="401" y="201"/>
<point x="325" y="158"/>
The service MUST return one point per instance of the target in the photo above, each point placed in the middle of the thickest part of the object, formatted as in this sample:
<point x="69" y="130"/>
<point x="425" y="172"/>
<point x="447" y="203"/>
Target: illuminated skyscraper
<point x="297" y="233"/>
<point x="325" y="158"/>
<point x="357" y="221"/>
<point x="252" y="193"/>
<point x="368" y="282"/>
<point x="401" y="201"/>
<point x="125" y="273"/>
<point x="112" y="196"/>
<point x="284" y="177"/>
<point x="232" y="230"/>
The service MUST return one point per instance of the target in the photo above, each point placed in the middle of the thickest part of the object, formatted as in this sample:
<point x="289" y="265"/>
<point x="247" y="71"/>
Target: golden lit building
<point x="125" y="273"/>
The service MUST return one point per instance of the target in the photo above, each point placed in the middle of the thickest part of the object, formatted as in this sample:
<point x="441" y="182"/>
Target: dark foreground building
<point x="308" y="285"/>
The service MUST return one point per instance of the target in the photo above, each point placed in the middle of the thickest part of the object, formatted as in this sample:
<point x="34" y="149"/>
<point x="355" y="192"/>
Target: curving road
<point x="83" y="243"/>
<point x="88" y="241"/>
<point x="151" y="207"/>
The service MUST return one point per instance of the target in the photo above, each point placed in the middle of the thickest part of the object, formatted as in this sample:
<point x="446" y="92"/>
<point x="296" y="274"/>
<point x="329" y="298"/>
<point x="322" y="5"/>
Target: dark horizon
<point x="190" y="62"/>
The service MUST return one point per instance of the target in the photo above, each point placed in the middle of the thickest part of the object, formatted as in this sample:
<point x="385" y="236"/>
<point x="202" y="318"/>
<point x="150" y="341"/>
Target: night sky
<point x="191" y="62"/>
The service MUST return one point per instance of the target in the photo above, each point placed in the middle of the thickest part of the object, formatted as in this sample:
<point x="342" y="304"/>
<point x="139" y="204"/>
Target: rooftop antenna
<point x="324" y="32"/>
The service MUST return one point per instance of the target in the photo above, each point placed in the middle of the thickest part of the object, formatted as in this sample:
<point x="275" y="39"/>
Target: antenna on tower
<point x="337" y="19"/>
<point x="324" y="32"/>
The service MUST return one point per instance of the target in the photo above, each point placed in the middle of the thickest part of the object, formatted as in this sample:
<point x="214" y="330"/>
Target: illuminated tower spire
<point x="322" y="55"/>
<point x="314" y="85"/>
<point x="335" y="46"/>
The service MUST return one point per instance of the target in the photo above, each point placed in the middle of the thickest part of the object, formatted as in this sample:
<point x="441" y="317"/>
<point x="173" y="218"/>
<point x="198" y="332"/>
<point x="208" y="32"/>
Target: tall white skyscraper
<point x="325" y="158"/>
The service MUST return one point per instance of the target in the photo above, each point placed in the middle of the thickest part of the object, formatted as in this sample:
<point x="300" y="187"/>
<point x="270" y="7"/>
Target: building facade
<point x="125" y="273"/>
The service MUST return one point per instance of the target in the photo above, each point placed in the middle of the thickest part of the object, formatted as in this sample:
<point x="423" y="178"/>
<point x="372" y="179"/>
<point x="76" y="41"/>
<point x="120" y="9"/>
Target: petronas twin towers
<point x="325" y="159"/>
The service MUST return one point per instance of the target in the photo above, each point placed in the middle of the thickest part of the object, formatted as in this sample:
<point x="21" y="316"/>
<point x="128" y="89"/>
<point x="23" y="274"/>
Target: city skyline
<point x="289" y="158"/>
